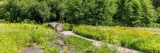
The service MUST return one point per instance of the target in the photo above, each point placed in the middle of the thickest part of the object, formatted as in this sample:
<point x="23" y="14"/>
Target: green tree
<point x="94" y="12"/>
<point x="58" y="9"/>
<point x="136" y="12"/>
<point x="19" y="10"/>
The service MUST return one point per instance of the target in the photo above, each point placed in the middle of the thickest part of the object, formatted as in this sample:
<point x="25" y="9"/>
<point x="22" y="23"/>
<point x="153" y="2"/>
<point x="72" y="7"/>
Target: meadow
<point x="79" y="45"/>
<point x="14" y="37"/>
<point x="141" y="40"/>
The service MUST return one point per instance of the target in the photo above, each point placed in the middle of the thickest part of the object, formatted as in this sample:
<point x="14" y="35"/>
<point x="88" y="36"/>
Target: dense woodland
<point x="132" y="13"/>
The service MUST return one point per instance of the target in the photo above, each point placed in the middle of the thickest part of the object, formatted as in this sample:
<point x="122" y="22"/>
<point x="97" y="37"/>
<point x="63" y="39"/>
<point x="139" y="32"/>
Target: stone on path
<point x="57" y="26"/>
<point x="32" y="50"/>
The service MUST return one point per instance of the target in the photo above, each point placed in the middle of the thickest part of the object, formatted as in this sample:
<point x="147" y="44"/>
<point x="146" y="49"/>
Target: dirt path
<point x="98" y="43"/>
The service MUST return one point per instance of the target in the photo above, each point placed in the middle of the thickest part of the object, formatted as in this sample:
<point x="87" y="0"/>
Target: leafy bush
<point x="136" y="39"/>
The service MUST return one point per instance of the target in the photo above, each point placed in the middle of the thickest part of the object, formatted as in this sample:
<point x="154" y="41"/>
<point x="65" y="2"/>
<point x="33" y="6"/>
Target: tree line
<point x="93" y="12"/>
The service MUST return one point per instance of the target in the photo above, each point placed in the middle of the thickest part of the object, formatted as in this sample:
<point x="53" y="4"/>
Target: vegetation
<point x="136" y="39"/>
<point x="84" y="46"/>
<point x="136" y="13"/>
<point x="15" y="37"/>
<point x="89" y="18"/>
<point x="92" y="12"/>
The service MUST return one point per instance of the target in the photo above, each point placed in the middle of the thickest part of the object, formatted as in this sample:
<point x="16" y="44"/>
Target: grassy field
<point x="142" y="40"/>
<point x="15" y="37"/>
<point x="79" y="45"/>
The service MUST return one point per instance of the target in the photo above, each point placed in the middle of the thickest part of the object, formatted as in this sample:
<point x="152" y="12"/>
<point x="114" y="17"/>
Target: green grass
<point x="142" y="40"/>
<point x="15" y="37"/>
<point x="80" y="45"/>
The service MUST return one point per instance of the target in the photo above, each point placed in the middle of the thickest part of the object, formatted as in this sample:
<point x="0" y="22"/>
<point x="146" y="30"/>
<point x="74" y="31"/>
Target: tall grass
<point x="15" y="37"/>
<point x="79" y="45"/>
<point x="136" y="39"/>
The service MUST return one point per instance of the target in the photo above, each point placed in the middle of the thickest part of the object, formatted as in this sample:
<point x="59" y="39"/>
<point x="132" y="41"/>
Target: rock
<point x="52" y="25"/>
<point x="58" y="27"/>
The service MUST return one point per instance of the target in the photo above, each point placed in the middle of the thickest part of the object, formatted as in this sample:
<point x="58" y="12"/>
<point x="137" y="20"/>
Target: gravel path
<point x="98" y="43"/>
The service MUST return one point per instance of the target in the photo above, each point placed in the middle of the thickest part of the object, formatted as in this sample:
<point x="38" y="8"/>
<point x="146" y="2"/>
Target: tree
<point x="94" y="12"/>
<point x="19" y="10"/>
<point x="136" y="13"/>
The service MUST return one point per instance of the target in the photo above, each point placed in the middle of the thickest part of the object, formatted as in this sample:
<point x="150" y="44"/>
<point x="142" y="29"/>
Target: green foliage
<point x="49" y="49"/>
<point x="15" y="37"/>
<point x="156" y="3"/>
<point x="79" y="45"/>
<point x="136" y="12"/>
<point x="85" y="11"/>
<point x="158" y="11"/>
<point x="90" y="32"/>
<point x="58" y="9"/>
<point x="19" y="10"/>
<point x="68" y="27"/>
<point x="94" y="12"/>
<point x="136" y="39"/>
<point x="91" y="12"/>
